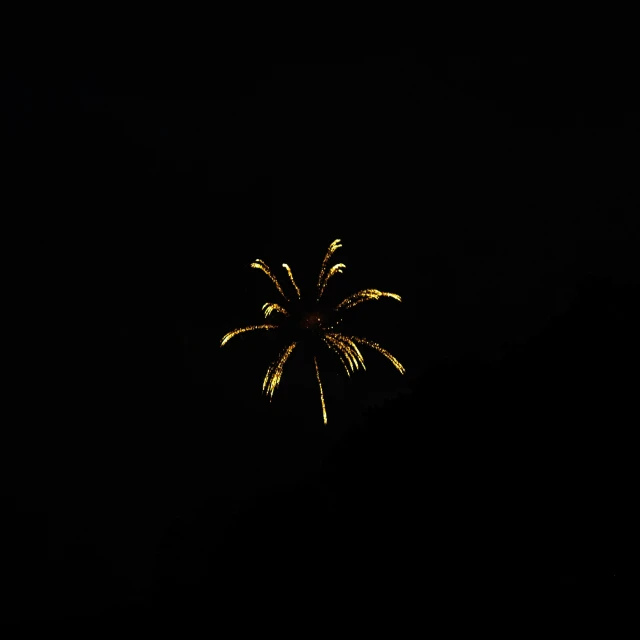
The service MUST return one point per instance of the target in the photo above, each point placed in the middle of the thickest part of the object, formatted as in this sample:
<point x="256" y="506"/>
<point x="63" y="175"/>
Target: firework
<point x="314" y="321"/>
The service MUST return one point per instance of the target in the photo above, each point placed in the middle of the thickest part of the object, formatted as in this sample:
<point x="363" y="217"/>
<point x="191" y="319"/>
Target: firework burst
<point x="315" y="321"/>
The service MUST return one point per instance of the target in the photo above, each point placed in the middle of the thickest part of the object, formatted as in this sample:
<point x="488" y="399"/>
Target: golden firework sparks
<point x="270" y="307"/>
<point x="384" y="352"/>
<point x="333" y="247"/>
<point x="293" y="282"/>
<point x="324" y="409"/>
<point x="328" y="341"/>
<point x="236" y="332"/>
<point x="345" y="347"/>
<point x="259" y="264"/>
<point x="274" y="373"/>
<point x="335" y="269"/>
<point x="366" y="294"/>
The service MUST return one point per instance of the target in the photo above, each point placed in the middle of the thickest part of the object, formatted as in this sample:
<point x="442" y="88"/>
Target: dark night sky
<point x="146" y="475"/>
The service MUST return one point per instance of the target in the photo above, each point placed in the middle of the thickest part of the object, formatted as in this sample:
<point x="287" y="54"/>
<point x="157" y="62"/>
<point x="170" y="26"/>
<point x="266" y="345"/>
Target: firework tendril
<point x="344" y="346"/>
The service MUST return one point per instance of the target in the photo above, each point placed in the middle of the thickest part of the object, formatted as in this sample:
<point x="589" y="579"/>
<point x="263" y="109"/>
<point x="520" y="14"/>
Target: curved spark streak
<point x="348" y="348"/>
<point x="384" y="352"/>
<point x="338" y="352"/>
<point x="274" y="372"/>
<point x="342" y="352"/>
<point x="333" y="247"/>
<point x="324" y="409"/>
<point x="337" y="268"/>
<point x="293" y="282"/>
<point x="269" y="307"/>
<point x="366" y="294"/>
<point x="260" y="264"/>
<point x="236" y="332"/>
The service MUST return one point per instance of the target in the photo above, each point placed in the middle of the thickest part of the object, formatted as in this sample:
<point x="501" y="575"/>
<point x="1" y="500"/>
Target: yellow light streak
<point x="324" y="409"/>
<point x="269" y="307"/>
<point x="337" y="268"/>
<point x="260" y="264"/>
<point x="384" y="352"/>
<point x="333" y="247"/>
<point x="236" y="332"/>
<point x="274" y="372"/>
<point x="366" y="294"/>
<point x="338" y="352"/>
<point x="293" y="282"/>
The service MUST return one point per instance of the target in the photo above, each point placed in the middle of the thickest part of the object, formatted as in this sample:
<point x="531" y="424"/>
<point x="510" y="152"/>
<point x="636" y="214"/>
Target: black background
<point x="146" y="477"/>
